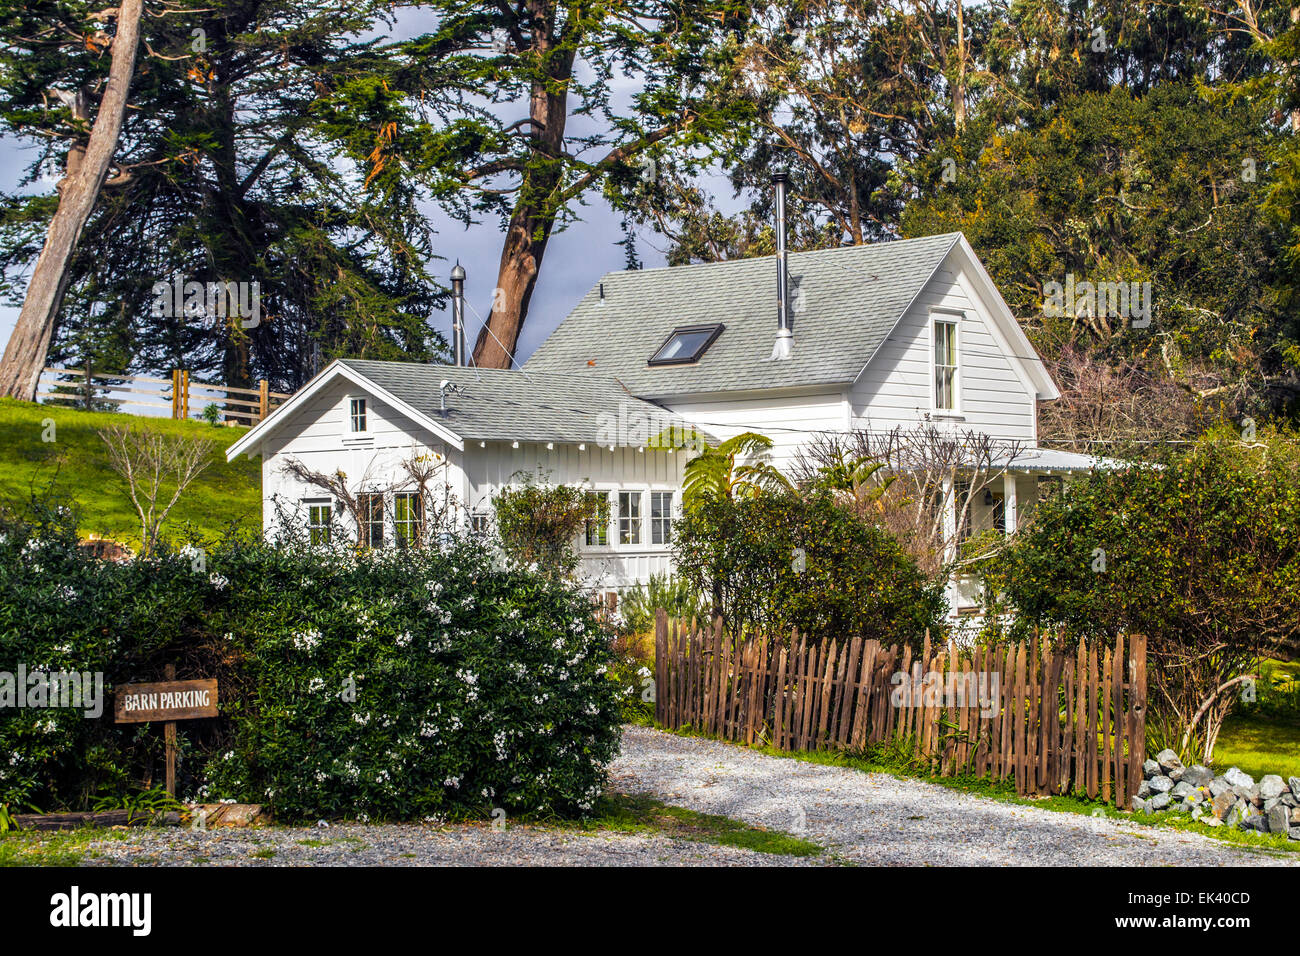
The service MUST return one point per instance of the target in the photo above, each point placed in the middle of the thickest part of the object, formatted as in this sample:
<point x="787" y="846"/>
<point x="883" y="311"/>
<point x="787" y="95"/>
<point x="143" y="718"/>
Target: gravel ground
<point x="863" y="818"/>
<point x="876" y="819"/>
<point x="412" y="845"/>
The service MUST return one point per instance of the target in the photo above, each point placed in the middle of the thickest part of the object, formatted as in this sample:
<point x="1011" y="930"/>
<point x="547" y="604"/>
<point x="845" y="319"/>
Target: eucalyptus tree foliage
<point x="841" y="90"/>
<point x="850" y="95"/>
<point x="232" y="166"/>
<point x="525" y="109"/>
<point x="1157" y="198"/>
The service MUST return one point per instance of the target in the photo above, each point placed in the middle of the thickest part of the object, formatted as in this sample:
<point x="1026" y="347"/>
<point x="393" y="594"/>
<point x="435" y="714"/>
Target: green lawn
<point x="1264" y="737"/>
<point x="77" y="462"/>
<point x="1259" y="746"/>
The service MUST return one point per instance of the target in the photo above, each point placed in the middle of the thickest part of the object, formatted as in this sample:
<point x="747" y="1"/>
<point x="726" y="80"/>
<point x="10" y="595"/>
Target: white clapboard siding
<point x="896" y="388"/>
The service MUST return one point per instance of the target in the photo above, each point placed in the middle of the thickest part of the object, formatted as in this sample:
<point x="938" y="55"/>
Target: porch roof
<point x="1054" y="461"/>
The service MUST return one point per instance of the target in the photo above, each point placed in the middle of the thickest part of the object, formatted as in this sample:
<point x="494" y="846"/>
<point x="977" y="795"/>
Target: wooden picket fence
<point x="1058" y="720"/>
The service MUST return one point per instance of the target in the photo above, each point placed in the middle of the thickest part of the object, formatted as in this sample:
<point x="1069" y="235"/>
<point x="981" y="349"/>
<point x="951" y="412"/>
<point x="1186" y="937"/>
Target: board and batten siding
<point x="317" y="435"/>
<point x="492" y="465"/>
<point x="897" y="387"/>
<point x="791" y="420"/>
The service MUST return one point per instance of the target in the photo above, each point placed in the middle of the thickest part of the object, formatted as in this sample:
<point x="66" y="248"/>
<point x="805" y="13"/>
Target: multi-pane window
<point x="945" y="362"/>
<point x="319" y="516"/>
<point x="478" y="524"/>
<point x="371" y="509"/>
<point x="661" y="517"/>
<point x="358" y="414"/>
<point x="597" y="531"/>
<point x="408" y="514"/>
<point x="629" y="517"/>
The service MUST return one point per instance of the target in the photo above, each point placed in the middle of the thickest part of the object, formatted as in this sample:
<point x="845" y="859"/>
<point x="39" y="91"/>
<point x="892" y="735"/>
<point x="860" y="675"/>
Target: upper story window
<point x="945" y="362"/>
<point x="686" y="345"/>
<point x="357" y="414"/>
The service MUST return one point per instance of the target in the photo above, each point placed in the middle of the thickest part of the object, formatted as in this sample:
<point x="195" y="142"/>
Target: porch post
<point x="1010" y="509"/>
<point x="949" y="519"/>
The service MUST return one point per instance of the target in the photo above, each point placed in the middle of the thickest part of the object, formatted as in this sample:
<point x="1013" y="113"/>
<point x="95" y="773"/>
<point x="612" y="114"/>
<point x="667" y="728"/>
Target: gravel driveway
<point x="873" y="818"/>
<point x="414" y="845"/>
<point x="864" y="818"/>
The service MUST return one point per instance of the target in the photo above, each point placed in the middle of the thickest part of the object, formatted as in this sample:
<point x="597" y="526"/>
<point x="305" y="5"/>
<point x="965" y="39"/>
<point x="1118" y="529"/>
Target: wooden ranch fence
<point x="183" y="396"/>
<point x="1056" y="720"/>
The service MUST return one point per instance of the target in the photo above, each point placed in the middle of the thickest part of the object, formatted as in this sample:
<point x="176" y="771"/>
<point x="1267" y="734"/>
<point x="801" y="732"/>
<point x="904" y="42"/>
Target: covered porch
<point x="1006" y="496"/>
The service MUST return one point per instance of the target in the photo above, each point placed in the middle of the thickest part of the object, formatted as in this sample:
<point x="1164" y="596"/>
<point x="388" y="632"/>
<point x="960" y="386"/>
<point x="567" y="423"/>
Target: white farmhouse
<point x="907" y="334"/>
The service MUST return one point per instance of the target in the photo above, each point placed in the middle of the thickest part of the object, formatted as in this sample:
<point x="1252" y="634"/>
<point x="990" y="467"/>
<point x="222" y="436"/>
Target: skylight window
<point x="686" y="345"/>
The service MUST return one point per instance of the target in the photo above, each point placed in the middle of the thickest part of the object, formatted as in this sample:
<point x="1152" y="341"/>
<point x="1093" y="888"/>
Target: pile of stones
<point x="1233" y="799"/>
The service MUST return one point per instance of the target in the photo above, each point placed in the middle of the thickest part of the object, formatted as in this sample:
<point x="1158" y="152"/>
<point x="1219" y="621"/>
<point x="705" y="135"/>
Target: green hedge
<point x="390" y="684"/>
<point x="777" y="560"/>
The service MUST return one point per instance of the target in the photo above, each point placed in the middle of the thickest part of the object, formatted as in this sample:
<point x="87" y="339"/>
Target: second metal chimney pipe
<point x="458" y="314"/>
<point x="783" y="348"/>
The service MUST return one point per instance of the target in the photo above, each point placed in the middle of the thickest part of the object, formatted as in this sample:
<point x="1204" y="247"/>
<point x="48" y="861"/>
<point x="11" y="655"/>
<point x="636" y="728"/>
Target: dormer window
<point x="686" y="345"/>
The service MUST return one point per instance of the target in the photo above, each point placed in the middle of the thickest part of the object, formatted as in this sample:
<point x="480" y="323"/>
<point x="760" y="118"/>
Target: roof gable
<point x="847" y="301"/>
<point x="488" y="405"/>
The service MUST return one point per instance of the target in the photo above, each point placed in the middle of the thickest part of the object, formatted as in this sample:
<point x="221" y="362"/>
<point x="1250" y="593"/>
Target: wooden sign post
<point x="167" y="702"/>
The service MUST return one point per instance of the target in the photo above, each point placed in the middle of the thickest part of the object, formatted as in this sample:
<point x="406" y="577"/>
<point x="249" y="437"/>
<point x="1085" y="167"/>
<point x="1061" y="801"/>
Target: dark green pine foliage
<point x="230" y="169"/>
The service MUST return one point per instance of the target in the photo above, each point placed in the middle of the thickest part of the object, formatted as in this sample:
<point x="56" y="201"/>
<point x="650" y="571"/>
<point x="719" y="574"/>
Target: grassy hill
<point x="77" y="463"/>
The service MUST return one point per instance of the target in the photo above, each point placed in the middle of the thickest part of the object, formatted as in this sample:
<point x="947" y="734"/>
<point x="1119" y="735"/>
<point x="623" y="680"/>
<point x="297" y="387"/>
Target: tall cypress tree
<point x="232" y="167"/>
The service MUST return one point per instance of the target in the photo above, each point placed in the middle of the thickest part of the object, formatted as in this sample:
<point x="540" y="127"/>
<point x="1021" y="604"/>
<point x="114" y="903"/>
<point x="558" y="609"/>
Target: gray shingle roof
<point x="852" y="298"/>
<point x="500" y="405"/>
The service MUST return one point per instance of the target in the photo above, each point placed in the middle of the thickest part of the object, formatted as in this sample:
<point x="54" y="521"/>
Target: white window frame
<point x="636" y="522"/>
<point x="367" y="413"/>
<point x="952" y="318"/>
<point x="327" y="503"/>
<point x="400" y="540"/>
<point x="613" y="528"/>
<point x="611" y="535"/>
<point x="667" y="519"/>
<point x="367" y="516"/>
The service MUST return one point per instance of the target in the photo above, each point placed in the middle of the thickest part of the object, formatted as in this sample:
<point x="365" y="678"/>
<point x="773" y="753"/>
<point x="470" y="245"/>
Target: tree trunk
<point x="535" y="209"/>
<point x="24" y="357"/>
<point x="233" y="254"/>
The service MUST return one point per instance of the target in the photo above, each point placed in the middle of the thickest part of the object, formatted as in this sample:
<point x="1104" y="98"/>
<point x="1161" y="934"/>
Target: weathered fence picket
<point x="1055" y="719"/>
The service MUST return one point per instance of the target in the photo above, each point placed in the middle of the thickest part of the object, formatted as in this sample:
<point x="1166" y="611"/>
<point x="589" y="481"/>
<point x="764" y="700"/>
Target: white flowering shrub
<point x="62" y="610"/>
<point x="381" y="685"/>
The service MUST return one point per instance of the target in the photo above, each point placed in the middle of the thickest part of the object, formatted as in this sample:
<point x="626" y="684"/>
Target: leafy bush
<point x="637" y="604"/>
<point x="538" y="523"/>
<point x="776" y="560"/>
<point x="1202" y="556"/>
<point x="63" y="611"/>
<point x="385" y="684"/>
